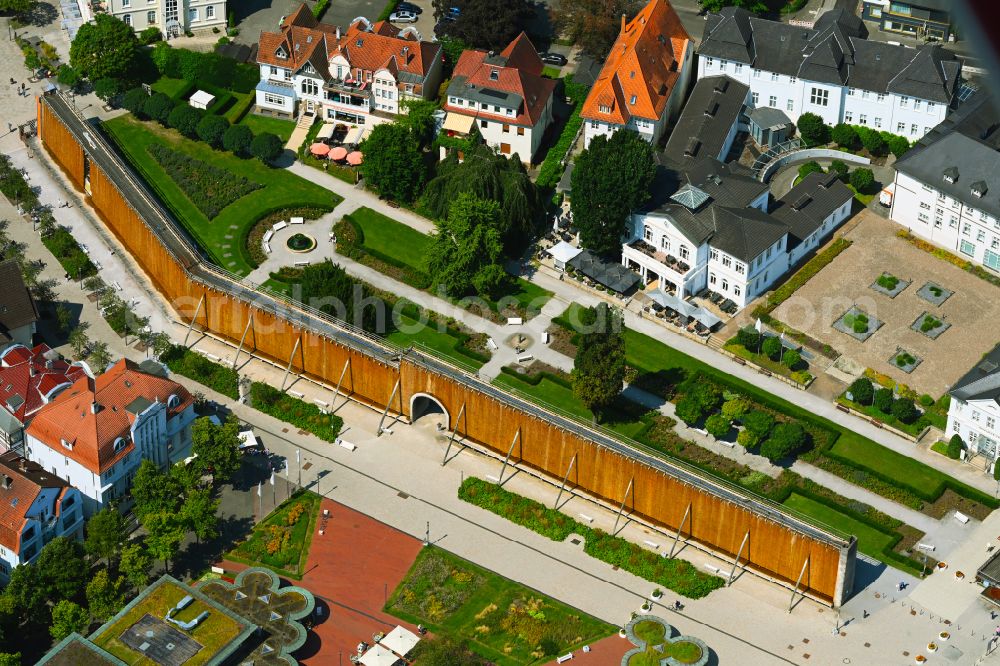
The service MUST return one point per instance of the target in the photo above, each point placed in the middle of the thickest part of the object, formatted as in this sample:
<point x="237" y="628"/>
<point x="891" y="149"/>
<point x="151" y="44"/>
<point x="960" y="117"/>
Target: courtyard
<point x="920" y="289"/>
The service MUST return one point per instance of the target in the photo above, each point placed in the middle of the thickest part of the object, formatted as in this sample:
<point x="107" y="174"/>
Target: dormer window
<point x="632" y="99"/>
<point x="120" y="443"/>
<point x="174" y="401"/>
<point x="359" y="43"/>
<point x="494" y="75"/>
<point x="281" y="53"/>
<point x="951" y="175"/>
<point x="604" y="108"/>
<point x="979" y="188"/>
<point x="67" y="445"/>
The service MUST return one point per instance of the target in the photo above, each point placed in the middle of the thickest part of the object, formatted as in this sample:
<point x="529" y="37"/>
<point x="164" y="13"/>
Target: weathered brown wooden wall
<point x="772" y="548"/>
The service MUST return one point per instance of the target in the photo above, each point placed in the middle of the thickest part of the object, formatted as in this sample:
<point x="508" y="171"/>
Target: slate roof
<point x="834" y="51"/>
<point x="982" y="382"/>
<point x="17" y="307"/>
<point x="712" y="108"/>
<point x="92" y="436"/>
<point x="744" y="232"/>
<point x="804" y="208"/>
<point x="644" y="63"/>
<point x="519" y="83"/>
<point x="768" y="117"/>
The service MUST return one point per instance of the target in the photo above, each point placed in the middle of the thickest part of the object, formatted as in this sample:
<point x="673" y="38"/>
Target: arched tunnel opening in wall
<point x="424" y="404"/>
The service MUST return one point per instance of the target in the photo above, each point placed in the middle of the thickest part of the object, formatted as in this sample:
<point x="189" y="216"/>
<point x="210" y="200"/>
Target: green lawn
<point x="503" y="621"/>
<point x="871" y="542"/>
<point x="901" y="470"/>
<point x="552" y="72"/>
<point x="625" y="417"/>
<point x="442" y="343"/>
<point x="385" y="236"/>
<point x="226" y="234"/>
<point x="172" y="88"/>
<point x="260" y="124"/>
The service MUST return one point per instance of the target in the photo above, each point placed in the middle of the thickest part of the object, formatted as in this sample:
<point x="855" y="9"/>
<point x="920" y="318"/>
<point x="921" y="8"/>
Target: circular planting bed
<point x="301" y="243"/>
<point x="652" y="637"/>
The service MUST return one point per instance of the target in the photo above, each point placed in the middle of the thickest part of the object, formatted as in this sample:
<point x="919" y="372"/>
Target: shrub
<point x="791" y="358"/>
<point x="926" y="400"/>
<point x="771" y="347"/>
<point x="813" y="130"/>
<point x="873" y="142"/>
<point x="718" y="426"/>
<point x="107" y="89"/>
<point x="237" y="140"/>
<point x="844" y="135"/>
<point x="904" y="410"/>
<point x="840" y="168"/>
<point x="68" y="76"/>
<point x="898" y="145"/>
<point x="785" y="439"/>
<point x="883" y="400"/>
<point x="955" y="447"/>
<point x="706" y="393"/>
<point x="808" y="168"/>
<point x="689" y="411"/>
<point x="209" y="188"/>
<point x="862" y="391"/>
<point x="266" y="147"/>
<point x="747" y="439"/>
<point x="299" y="413"/>
<point x="211" y="128"/>
<point x="758" y="423"/>
<point x="134" y="102"/>
<point x="158" y="107"/>
<point x="748" y="338"/>
<point x="215" y="376"/>
<point x="888" y="282"/>
<point x="320" y="8"/>
<point x="996" y="470"/>
<point x="862" y="179"/>
<point x="150" y="35"/>
<point x="929" y="323"/>
<point x="185" y="119"/>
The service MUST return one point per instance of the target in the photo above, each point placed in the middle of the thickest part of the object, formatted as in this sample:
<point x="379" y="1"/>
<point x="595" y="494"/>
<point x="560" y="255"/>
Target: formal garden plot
<point x="858" y="324"/>
<point x="929" y="325"/>
<point x="501" y="620"/>
<point x="281" y="541"/>
<point x="654" y="641"/>
<point x="934" y="293"/>
<point x="208" y="188"/>
<point x="301" y="243"/>
<point x="890" y="285"/>
<point x="905" y="361"/>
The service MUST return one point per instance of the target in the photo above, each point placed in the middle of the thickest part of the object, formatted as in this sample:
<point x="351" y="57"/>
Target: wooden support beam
<point x="343" y="372"/>
<point x="201" y="302"/>
<point x="243" y="339"/>
<point x="517" y="438"/>
<point x="680" y="529"/>
<point x="732" y="573"/>
<point x="451" y="440"/>
<point x="291" y="359"/>
<point x="388" y="404"/>
<point x="628" y="489"/>
<point x="791" y="604"/>
<point x="572" y="462"/>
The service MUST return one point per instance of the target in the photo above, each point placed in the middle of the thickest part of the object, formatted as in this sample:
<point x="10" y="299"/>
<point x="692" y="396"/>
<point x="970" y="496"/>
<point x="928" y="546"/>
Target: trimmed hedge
<point x="303" y="415"/>
<point x="674" y="574"/>
<point x="552" y="168"/>
<point x="194" y="366"/>
<point x="63" y="246"/>
<point x="320" y="8"/>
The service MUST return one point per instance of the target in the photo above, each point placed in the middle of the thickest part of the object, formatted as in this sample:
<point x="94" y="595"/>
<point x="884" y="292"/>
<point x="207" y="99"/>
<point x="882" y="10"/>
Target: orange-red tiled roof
<point x="643" y="63"/>
<point x="521" y="75"/>
<point x="69" y="417"/>
<point x="26" y="482"/>
<point x="27" y="374"/>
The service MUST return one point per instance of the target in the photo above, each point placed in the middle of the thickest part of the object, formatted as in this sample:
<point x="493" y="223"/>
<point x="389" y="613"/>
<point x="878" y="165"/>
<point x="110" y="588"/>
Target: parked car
<point x="553" y="58"/>
<point x="409" y="7"/>
<point x="402" y="17"/>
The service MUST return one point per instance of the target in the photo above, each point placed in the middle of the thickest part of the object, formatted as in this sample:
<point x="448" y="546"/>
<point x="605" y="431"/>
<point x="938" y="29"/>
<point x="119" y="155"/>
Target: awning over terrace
<point x="614" y="276"/>
<point x="457" y="122"/>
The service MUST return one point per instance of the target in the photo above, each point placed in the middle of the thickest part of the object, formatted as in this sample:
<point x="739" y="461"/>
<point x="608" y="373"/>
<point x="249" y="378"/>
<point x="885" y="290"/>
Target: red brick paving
<point x="350" y="568"/>
<point x="605" y="652"/>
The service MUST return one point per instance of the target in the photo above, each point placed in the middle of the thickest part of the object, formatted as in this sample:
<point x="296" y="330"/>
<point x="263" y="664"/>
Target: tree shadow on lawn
<point x="196" y="557"/>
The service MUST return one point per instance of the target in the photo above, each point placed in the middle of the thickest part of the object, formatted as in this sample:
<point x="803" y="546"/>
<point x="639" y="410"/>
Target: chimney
<point x="31" y="369"/>
<point x="623" y="22"/>
<point x="6" y="482"/>
<point x="23" y="464"/>
<point x="48" y="364"/>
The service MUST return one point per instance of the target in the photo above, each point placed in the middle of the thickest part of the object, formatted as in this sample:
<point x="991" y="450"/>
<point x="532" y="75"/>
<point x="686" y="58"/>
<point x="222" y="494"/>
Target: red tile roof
<point x="303" y="39"/>
<point x="27" y="479"/>
<point x="643" y="63"/>
<point x="519" y="71"/>
<point x="27" y="376"/>
<point x="92" y="436"/>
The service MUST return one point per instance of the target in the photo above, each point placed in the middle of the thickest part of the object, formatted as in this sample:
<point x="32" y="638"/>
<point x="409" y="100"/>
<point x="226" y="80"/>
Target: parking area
<point x="256" y="16"/>
<point x="972" y="310"/>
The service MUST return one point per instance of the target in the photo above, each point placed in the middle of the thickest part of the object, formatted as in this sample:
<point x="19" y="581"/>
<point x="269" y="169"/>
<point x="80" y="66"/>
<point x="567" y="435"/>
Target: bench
<point x="267" y="248"/>
<point x="714" y="570"/>
<point x="843" y="408"/>
<point x="296" y="394"/>
<point x="268" y="235"/>
<point x="961" y="517"/>
<point x="585" y="517"/>
<point x="491" y="344"/>
<point x="301" y="263"/>
<point x="525" y="358"/>
<point x="652" y="544"/>
<point x="346" y="445"/>
<point x="564" y="658"/>
<point x="514" y="321"/>
<point x="297" y="220"/>
<point x="279" y="226"/>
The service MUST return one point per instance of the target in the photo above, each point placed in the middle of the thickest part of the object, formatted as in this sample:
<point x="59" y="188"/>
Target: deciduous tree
<point x="812" y="130"/>
<point x="718" y="426"/>
<point x="135" y="564"/>
<point x="862" y="179"/>
<point x="165" y="533"/>
<point x="134" y="102"/>
<point x="485" y="24"/>
<point x="467" y="249"/>
<point x="592" y="24"/>
<point x="106" y="534"/>
<point x="105" y="595"/>
<point x="599" y="366"/>
<point x="154" y="492"/>
<point x="217" y="447"/>
<point x="200" y="514"/>
<point x="67" y="618"/>
<point x="844" y="135"/>
<point x="394" y="164"/>
<point x="610" y="180"/>
<point x="237" y="140"/>
<point x="185" y="118"/>
<point x="785" y="439"/>
<point x="862" y="391"/>
<point x="158" y="107"/>
<point x="266" y="147"/>
<point x="103" y="48"/>
<point x="211" y="129"/>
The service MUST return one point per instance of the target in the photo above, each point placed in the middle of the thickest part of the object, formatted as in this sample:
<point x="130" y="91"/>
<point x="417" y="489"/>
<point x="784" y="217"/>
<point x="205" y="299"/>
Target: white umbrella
<point x="378" y="656"/>
<point x="400" y="640"/>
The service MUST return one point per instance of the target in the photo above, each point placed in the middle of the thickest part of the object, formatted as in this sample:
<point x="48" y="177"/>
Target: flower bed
<point x="208" y="188"/>
<point x="929" y="325"/>
<point x="889" y="285"/>
<point x="934" y="293"/>
<point x="281" y="541"/>
<point x="858" y="324"/>
<point x="905" y="361"/>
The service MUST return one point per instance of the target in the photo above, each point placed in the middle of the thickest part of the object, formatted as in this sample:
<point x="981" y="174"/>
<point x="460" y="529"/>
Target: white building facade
<point x="832" y="71"/>
<point x="172" y="17"/>
<point x="974" y="413"/>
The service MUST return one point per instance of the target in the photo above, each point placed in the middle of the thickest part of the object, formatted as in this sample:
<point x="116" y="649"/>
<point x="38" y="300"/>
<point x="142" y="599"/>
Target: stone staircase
<point x="300" y="132"/>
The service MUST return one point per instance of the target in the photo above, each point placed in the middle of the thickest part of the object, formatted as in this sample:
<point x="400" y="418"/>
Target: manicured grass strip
<point x="871" y="541"/>
<point x="506" y="622"/>
<point x="301" y="414"/>
<point x="873" y="412"/>
<point x="63" y="246"/>
<point x="287" y="555"/>
<point x="386" y="237"/>
<point x="447" y="343"/>
<point x="194" y="366"/>
<point x="172" y="88"/>
<point x="678" y="575"/>
<point x="226" y="234"/>
<point x="259" y="124"/>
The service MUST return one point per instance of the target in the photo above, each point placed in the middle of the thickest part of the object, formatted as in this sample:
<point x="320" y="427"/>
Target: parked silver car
<point x="402" y="17"/>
